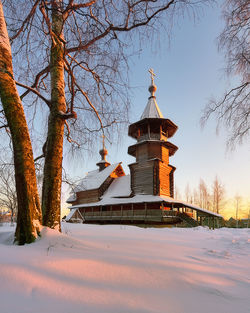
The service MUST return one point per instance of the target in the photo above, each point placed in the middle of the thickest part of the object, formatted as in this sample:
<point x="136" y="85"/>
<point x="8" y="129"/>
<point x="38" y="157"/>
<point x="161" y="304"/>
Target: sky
<point x="189" y="71"/>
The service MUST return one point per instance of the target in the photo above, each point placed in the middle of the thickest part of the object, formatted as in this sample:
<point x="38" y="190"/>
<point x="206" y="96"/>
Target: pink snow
<point x="116" y="269"/>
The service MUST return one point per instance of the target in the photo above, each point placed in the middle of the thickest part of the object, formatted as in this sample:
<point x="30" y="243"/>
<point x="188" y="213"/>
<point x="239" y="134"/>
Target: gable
<point x="94" y="179"/>
<point x="95" y="183"/>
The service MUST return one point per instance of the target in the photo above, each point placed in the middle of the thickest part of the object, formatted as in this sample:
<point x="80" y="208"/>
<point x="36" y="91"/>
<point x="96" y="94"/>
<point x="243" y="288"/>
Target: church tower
<point x="152" y="174"/>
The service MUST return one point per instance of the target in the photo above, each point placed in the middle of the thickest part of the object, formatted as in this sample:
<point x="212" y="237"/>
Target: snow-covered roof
<point x="71" y="198"/>
<point x="142" y="198"/>
<point x="68" y="217"/>
<point x="195" y="207"/>
<point x="120" y="187"/>
<point x="95" y="179"/>
<point x="152" y="110"/>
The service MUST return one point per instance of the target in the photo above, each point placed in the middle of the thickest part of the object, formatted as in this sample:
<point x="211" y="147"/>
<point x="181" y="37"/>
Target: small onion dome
<point x="152" y="89"/>
<point x="103" y="163"/>
<point x="103" y="153"/>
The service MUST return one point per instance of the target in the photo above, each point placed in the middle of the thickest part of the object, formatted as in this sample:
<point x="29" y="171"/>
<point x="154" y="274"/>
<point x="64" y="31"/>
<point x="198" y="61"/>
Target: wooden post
<point x="149" y="131"/>
<point x="79" y="213"/>
<point x="162" y="211"/>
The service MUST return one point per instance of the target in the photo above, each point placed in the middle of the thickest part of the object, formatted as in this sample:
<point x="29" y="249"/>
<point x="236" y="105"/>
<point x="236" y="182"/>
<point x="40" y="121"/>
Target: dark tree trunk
<point x="51" y="195"/>
<point x="29" y="213"/>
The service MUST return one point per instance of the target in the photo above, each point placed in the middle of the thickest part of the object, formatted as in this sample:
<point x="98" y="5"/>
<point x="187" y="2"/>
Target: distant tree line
<point x="215" y="199"/>
<point x="212" y="199"/>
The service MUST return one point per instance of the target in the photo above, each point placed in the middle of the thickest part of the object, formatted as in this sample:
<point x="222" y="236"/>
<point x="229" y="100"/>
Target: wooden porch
<point x="145" y="213"/>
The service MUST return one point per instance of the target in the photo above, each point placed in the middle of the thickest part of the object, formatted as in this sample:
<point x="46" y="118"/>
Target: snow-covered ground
<point x="114" y="269"/>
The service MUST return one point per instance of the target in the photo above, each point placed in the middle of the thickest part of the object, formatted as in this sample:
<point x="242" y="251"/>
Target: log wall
<point x="171" y="181"/>
<point x="164" y="179"/>
<point x="152" y="177"/>
<point x="152" y="150"/>
<point x="87" y="196"/>
<point x="142" y="177"/>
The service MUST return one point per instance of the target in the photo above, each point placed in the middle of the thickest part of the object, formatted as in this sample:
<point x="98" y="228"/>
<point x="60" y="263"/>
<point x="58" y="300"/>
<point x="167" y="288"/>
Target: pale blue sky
<point x="187" y="75"/>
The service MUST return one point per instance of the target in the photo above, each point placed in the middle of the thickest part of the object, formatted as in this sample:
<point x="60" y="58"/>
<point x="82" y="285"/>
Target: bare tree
<point x="8" y="197"/>
<point x="204" y="197"/>
<point x="218" y="194"/>
<point x="29" y="215"/>
<point x="195" y="197"/>
<point x="76" y="63"/>
<point x="177" y="193"/>
<point x="188" y="193"/>
<point x="237" y="208"/>
<point x="233" y="109"/>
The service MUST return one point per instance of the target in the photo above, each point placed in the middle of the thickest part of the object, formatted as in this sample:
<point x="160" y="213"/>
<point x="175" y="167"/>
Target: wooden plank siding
<point x="142" y="177"/>
<point x="171" y="181"/>
<point x="152" y="177"/>
<point x="164" y="179"/>
<point x="165" y="155"/>
<point x="142" y="153"/>
<point x="87" y="196"/>
<point x="154" y="150"/>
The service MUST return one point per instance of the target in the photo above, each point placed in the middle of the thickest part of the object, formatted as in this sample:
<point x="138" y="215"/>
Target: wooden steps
<point x="187" y="219"/>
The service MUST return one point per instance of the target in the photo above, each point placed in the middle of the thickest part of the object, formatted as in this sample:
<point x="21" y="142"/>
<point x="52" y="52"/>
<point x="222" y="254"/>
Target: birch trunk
<point x="51" y="195"/>
<point x="29" y="213"/>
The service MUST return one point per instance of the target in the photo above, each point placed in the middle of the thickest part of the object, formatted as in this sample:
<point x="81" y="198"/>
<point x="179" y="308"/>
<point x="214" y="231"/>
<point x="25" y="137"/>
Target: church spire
<point x="152" y="110"/>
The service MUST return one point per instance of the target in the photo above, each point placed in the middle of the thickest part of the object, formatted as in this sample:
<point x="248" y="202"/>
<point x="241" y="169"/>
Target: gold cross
<point x="103" y="141"/>
<point x="151" y="71"/>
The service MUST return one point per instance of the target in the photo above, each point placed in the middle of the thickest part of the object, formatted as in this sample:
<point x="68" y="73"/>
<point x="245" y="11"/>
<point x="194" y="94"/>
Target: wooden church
<point x="146" y="196"/>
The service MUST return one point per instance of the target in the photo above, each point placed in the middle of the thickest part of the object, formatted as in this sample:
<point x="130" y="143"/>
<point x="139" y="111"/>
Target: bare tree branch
<point x="233" y="109"/>
<point x="48" y="102"/>
<point x="27" y="19"/>
<point x="124" y="28"/>
<point x="69" y="137"/>
<point x="37" y="78"/>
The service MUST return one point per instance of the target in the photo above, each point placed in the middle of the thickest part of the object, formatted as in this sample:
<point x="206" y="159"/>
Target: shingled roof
<point x="151" y="110"/>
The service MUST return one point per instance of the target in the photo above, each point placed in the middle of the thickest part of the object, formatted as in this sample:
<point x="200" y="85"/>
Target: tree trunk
<point x="51" y="195"/>
<point x="29" y="213"/>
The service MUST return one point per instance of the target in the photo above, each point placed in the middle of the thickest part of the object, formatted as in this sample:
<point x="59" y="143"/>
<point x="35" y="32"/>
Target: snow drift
<point x="116" y="269"/>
